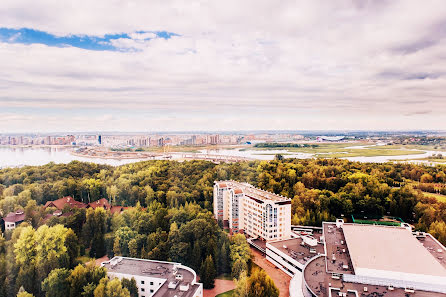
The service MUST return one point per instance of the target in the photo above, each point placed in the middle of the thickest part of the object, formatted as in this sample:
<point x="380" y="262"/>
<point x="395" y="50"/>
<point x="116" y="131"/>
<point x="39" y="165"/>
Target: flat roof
<point x="389" y="248"/>
<point x="294" y="249"/>
<point x="337" y="251"/>
<point x="155" y="269"/>
<point x="252" y="191"/>
<point x="321" y="281"/>
<point x="435" y="248"/>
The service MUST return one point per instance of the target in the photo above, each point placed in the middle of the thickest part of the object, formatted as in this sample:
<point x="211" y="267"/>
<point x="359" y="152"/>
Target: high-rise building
<point x="255" y="212"/>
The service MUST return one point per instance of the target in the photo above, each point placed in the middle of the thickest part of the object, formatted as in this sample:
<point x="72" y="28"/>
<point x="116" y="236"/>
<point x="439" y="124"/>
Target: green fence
<point x="377" y="220"/>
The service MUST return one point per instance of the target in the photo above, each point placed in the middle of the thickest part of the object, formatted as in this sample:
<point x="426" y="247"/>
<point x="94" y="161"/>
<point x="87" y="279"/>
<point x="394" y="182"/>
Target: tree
<point x="238" y="268"/>
<point x="81" y="276"/>
<point x="224" y="260"/>
<point x="23" y="293"/>
<point x="278" y="157"/>
<point x="130" y="284"/>
<point x="239" y="248"/>
<point x="122" y="238"/>
<point x="94" y="231"/>
<point x="438" y="229"/>
<point x="72" y="244"/>
<point x="111" y="288"/>
<point x="426" y="178"/>
<point x="208" y="273"/>
<point x="241" y="289"/>
<point x="51" y="251"/>
<point x="56" y="284"/>
<point x="259" y="284"/>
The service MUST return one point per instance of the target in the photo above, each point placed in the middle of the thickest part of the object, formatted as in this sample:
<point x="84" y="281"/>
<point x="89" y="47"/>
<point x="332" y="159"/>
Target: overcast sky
<point x="222" y="65"/>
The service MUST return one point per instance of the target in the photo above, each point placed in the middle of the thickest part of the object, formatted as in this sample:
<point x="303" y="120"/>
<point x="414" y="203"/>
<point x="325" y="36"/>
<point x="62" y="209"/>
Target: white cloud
<point x="235" y="65"/>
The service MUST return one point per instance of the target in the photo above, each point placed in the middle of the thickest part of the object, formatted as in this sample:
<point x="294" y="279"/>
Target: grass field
<point x="439" y="197"/>
<point x="432" y="160"/>
<point x="226" y="294"/>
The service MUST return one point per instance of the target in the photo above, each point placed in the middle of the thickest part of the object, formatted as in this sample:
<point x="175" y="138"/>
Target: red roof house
<point x="65" y="201"/>
<point x="100" y="203"/>
<point x="13" y="219"/>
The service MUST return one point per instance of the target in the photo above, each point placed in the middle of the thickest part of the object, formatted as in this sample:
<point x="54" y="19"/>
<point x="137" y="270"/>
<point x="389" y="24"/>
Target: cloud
<point x="232" y="65"/>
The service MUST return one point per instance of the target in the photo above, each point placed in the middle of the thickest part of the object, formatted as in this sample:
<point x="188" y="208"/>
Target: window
<point x="151" y="291"/>
<point x="142" y="282"/>
<point x="142" y="289"/>
<point x="151" y="283"/>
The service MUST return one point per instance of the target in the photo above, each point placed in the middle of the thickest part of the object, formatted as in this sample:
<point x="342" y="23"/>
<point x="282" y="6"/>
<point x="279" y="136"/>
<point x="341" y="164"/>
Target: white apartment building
<point x="252" y="211"/>
<point x="156" y="278"/>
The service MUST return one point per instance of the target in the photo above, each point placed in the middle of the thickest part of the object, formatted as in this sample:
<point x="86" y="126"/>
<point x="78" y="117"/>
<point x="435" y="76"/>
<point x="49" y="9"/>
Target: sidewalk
<point x="280" y="278"/>
<point x="221" y="286"/>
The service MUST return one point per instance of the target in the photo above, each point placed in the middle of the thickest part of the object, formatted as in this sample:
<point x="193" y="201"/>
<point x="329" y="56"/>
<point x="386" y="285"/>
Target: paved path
<point x="221" y="286"/>
<point x="280" y="278"/>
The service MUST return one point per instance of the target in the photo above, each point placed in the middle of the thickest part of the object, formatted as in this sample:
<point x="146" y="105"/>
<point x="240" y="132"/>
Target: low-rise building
<point x="352" y="260"/>
<point x="63" y="202"/>
<point x="156" y="278"/>
<point x="13" y="219"/>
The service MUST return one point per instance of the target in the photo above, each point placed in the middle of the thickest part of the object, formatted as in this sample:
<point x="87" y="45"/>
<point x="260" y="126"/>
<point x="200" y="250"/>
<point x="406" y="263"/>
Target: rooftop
<point x="14" y="217"/>
<point x="252" y="191"/>
<point x="65" y="201"/>
<point x="294" y="249"/>
<point x="156" y="269"/>
<point x="435" y="248"/>
<point x="320" y="282"/>
<point x="338" y="258"/>
<point x="389" y="248"/>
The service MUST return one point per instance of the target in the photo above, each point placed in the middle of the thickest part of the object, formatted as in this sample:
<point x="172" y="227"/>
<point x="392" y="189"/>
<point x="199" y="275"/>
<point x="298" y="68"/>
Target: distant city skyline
<point x="130" y="66"/>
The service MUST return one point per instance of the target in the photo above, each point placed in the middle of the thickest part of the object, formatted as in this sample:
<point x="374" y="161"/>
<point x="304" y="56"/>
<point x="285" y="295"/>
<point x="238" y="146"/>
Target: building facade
<point x="252" y="211"/>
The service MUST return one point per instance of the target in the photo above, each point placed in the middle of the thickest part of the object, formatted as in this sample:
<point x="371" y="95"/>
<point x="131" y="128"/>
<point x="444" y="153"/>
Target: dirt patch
<point x="280" y="278"/>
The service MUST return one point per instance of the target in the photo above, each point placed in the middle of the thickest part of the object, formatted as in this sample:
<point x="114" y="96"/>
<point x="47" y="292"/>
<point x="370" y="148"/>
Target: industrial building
<point x="156" y="278"/>
<point x="252" y="211"/>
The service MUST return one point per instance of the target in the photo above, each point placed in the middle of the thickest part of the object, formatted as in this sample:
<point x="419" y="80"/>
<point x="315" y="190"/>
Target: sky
<point x="119" y="65"/>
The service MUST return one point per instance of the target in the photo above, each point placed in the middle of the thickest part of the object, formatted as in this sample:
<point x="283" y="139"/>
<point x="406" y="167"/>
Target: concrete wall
<point x="383" y="278"/>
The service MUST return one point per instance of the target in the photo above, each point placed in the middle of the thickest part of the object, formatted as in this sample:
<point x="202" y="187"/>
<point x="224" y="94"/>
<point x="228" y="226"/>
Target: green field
<point x="439" y="197"/>
<point x="432" y="160"/>
<point x="226" y="294"/>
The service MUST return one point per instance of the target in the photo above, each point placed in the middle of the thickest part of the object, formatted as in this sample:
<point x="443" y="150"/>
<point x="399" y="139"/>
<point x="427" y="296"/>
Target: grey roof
<point x="156" y="269"/>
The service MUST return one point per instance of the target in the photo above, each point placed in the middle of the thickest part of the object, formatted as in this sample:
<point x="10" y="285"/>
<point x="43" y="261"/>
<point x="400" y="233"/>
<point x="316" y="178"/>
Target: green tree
<point x="122" y="238"/>
<point x="111" y="288"/>
<point x="56" y="284"/>
<point x="23" y="293"/>
<point x="259" y="284"/>
<point x="130" y="284"/>
<point x="239" y="267"/>
<point x="208" y="273"/>
<point x="241" y="288"/>
<point x="81" y="276"/>
<point x="94" y="231"/>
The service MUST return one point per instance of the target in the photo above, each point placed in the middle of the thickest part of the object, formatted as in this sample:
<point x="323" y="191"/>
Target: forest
<point x="169" y="215"/>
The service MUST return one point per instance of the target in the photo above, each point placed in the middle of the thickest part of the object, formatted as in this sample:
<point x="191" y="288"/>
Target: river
<point x="22" y="156"/>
